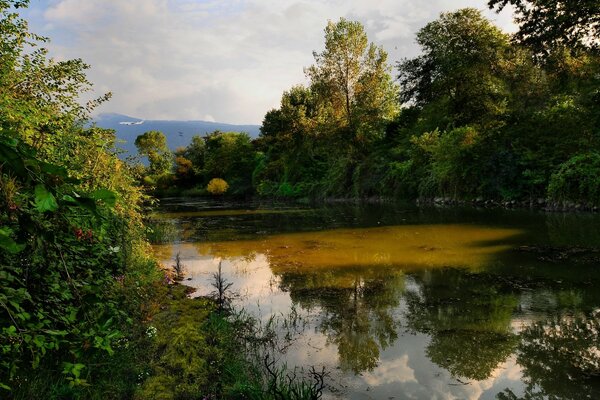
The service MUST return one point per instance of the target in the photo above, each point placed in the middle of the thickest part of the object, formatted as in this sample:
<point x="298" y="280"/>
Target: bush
<point x="577" y="179"/>
<point x="217" y="186"/>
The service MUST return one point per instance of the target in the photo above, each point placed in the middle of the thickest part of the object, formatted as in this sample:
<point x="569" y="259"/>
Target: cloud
<point x="231" y="60"/>
<point x="391" y="372"/>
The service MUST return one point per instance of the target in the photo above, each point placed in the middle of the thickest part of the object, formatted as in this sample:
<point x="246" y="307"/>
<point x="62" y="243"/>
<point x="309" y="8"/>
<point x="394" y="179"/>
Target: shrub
<point x="217" y="186"/>
<point x="577" y="179"/>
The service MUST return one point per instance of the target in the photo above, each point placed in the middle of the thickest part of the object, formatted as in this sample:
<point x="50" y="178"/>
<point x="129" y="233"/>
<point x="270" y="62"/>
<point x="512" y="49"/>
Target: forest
<point x="479" y="115"/>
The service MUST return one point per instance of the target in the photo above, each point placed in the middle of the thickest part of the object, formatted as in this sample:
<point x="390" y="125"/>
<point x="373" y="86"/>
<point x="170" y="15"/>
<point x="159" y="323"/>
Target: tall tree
<point x="459" y="68"/>
<point x="352" y="77"/>
<point x="546" y="24"/>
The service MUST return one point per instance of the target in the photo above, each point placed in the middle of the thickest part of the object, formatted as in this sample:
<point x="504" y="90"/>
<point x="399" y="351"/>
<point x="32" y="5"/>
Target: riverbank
<point x="530" y="204"/>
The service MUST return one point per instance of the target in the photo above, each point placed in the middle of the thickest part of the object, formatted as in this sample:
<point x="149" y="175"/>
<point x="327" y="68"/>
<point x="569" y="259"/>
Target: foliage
<point x="312" y="142"/>
<point x="451" y="159"/>
<point x="230" y="155"/>
<point x="351" y="77"/>
<point x="50" y="235"/>
<point x="458" y="73"/>
<point x="217" y="186"/>
<point x="548" y="24"/>
<point x="577" y="180"/>
<point x="70" y="227"/>
<point x="153" y="144"/>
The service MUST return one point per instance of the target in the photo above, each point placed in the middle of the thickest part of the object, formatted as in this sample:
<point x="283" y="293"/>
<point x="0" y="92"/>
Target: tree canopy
<point x="547" y="24"/>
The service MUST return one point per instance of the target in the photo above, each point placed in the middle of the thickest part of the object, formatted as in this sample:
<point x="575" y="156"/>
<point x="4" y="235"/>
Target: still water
<point x="399" y="302"/>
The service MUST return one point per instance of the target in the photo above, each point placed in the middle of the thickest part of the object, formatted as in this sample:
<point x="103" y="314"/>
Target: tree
<point x="547" y="24"/>
<point x="196" y="153"/>
<point x="291" y="138"/>
<point x="231" y="156"/>
<point x="458" y="72"/>
<point x="153" y="144"/>
<point x="352" y="78"/>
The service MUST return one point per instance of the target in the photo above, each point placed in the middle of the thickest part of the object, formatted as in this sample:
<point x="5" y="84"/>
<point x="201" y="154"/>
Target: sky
<point x="218" y="60"/>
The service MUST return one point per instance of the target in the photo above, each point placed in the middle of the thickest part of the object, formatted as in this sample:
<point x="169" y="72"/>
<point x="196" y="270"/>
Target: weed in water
<point x="221" y="295"/>
<point x="178" y="267"/>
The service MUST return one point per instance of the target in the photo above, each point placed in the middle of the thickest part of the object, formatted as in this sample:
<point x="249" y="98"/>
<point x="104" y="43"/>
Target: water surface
<point x="407" y="303"/>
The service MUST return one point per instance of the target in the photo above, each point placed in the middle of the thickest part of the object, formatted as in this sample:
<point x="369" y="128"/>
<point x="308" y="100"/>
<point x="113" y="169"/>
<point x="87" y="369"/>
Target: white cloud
<point x="230" y="60"/>
<point x="391" y="372"/>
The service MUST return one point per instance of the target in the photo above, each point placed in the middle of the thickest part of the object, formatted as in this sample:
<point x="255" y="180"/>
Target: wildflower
<point x="151" y="331"/>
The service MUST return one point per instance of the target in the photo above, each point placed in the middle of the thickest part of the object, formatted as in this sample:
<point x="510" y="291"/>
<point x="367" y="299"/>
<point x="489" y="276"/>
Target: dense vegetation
<point x="85" y="311"/>
<point x="73" y="266"/>
<point x="478" y="115"/>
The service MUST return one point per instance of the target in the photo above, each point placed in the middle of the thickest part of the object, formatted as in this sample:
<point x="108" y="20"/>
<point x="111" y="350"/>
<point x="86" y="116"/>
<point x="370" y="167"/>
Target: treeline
<point x="228" y="157"/>
<point x="479" y="114"/>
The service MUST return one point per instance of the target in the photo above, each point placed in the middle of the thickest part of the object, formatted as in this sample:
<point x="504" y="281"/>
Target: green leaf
<point x="53" y="169"/>
<point x="69" y="199"/>
<point x="44" y="200"/>
<point x="12" y="160"/>
<point x="7" y="243"/>
<point x="107" y="196"/>
<point x="88" y="204"/>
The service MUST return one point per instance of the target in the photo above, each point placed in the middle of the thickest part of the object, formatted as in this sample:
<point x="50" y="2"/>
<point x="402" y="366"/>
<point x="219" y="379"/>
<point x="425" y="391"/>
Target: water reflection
<point x="411" y="304"/>
<point x="469" y="319"/>
<point x="357" y="310"/>
<point x="560" y="359"/>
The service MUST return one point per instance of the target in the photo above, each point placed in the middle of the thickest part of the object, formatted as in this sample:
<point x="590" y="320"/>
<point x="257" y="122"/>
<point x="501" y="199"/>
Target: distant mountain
<point x="178" y="133"/>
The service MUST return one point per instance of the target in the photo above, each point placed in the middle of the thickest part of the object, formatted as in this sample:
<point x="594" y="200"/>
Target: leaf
<point x="44" y="200"/>
<point x="7" y="243"/>
<point x="107" y="196"/>
<point x="12" y="160"/>
<point x="69" y="199"/>
<point x="53" y="169"/>
<point x="88" y="204"/>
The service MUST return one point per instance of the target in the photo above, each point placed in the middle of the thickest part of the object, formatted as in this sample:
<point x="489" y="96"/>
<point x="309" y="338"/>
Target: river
<point x="399" y="302"/>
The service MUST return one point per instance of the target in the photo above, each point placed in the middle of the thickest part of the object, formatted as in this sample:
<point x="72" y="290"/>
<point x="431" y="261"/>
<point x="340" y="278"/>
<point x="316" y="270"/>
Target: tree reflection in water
<point x="468" y="317"/>
<point x="357" y="310"/>
<point x="560" y="359"/>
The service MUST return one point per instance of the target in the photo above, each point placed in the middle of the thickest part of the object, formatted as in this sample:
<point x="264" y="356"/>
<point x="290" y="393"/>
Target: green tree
<point x="69" y="221"/>
<point x="457" y="79"/>
<point x="153" y="144"/>
<point x="548" y="24"/>
<point x="352" y="78"/>
<point x="315" y="142"/>
<point x="291" y="140"/>
<point x="196" y="153"/>
<point x="230" y="156"/>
